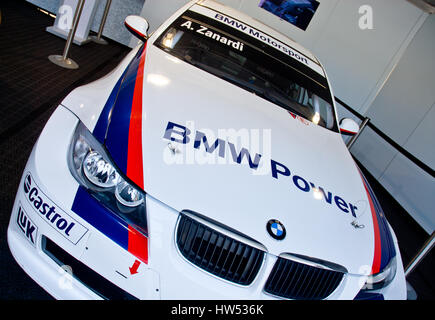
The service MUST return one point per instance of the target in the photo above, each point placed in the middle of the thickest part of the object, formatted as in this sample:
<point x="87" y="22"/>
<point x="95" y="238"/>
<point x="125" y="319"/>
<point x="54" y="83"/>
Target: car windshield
<point x="250" y="64"/>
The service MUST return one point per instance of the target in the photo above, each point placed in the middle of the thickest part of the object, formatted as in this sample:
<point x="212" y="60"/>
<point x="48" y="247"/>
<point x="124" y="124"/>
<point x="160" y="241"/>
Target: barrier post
<point x="361" y="128"/>
<point x="98" y="39"/>
<point x="428" y="245"/>
<point x="63" y="60"/>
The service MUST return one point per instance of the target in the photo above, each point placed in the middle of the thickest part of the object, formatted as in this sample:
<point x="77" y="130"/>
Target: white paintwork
<point x="87" y="105"/>
<point x="232" y="194"/>
<point x="312" y="152"/>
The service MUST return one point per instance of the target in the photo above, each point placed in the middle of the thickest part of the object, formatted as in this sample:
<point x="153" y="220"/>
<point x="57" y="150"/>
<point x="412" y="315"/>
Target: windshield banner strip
<point x="254" y="33"/>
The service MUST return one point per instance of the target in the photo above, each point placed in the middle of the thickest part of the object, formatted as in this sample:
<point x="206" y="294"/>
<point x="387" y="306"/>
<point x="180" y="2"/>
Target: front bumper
<point x="87" y="251"/>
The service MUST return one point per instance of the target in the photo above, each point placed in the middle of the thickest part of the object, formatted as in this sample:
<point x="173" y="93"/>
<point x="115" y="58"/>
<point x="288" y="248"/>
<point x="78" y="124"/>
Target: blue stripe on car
<point x="117" y="133"/>
<point x="387" y="245"/>
<point x="89" y="209"/>
<point x="103" y="121"/>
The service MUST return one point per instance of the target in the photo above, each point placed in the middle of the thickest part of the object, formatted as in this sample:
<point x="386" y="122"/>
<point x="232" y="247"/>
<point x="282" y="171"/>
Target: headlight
<point x="99" y="171"/>
<point x="93" y="168"/>
<point x="128" y="195"/>
<point x="383" y="278"/>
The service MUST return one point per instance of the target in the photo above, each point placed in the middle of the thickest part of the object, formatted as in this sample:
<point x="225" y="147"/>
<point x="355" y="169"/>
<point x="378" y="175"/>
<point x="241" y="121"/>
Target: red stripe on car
<point x="376" y="265"/>
<point x="137" y="244"/>
<point x="134" y="156"/>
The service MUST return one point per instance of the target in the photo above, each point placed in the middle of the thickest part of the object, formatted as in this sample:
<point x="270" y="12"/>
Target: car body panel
<point x="149" y="113"/>
<point x="251" y="194"/>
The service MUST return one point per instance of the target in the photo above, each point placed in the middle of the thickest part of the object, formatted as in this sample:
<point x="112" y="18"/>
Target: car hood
<point x="167" y="99"/>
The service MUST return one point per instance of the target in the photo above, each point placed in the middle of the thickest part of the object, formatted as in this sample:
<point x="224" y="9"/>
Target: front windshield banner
<point x="260" y="36"/>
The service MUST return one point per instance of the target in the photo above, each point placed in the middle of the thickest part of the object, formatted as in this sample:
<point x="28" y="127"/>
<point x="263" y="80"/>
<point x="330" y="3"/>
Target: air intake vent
<point x="295" y="280"/>
<point x="88" y="277"/>
<point x="216" y="252"/>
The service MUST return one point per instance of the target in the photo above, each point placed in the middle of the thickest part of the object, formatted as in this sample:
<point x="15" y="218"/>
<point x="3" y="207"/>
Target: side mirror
<point x="138" y="26"/>
<point x="348" y="127"/>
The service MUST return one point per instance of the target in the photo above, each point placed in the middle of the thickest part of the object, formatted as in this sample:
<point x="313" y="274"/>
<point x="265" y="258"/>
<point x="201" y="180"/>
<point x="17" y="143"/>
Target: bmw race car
<point x="208" y="165"/>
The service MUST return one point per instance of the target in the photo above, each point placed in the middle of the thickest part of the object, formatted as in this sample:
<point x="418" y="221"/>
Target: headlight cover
<point x="383" y="278"/>
<point x="99" y="171"/>
<point x="93" y="168"/>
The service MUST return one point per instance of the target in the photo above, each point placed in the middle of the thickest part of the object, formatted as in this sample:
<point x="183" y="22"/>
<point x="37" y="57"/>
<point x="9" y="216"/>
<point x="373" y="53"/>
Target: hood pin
<point x="356" y="225"/>
<point x="173" y="148"/>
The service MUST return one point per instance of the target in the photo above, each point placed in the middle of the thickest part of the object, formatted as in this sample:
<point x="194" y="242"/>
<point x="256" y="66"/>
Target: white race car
<point x="208" y="165"/>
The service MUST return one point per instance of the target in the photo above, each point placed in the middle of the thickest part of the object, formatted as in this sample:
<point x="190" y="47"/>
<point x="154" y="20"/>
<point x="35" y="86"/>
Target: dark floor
<point x="30" y="89"/>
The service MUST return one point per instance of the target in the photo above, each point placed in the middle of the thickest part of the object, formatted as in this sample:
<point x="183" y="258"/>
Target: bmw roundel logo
<point x="276" y="229"/>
